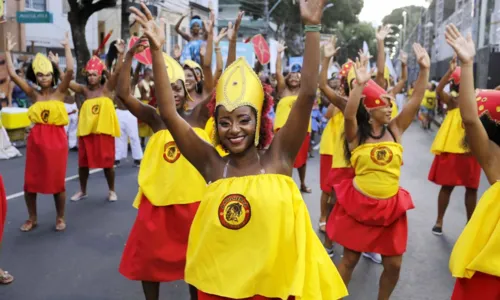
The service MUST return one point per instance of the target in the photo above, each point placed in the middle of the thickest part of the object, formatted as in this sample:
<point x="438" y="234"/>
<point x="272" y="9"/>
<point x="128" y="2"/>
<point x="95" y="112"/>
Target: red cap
<point x="455" y="76"/>
<point x="346" y="68"/>
<point x="488" y="102"/>
<point x="95" y="64"/>
<point x="374" y="96"/>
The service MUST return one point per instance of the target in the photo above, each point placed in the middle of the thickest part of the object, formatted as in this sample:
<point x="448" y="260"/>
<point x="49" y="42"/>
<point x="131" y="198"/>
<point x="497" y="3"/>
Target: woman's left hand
<point x="154" y="32"/>
<point x="311" y="11"/>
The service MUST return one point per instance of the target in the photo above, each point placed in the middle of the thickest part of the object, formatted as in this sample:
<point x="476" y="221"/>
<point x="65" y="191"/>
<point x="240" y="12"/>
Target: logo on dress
<point x="234" y="212"/>
<point x="96" y="109"/>
<point x="45" y="115"/>
<point x="381" y="155"/>
<point x="171" y="153"/>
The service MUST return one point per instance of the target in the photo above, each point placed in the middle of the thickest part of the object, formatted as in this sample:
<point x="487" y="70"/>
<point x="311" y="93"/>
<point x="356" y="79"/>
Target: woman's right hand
<point x="383" y="32"/>
<point x="232" y="30"/>
<point x="54" y="58"/>
<point x="222" y="34"/>
<point x="464" y="47"/>
<point x="362" y="69"/>
<point x="453" y="63"/>
<point x="280" y="47"/>
<point x="330" y="48"/>
<point x="9" y="42"/>
<point x="139" y="46"/>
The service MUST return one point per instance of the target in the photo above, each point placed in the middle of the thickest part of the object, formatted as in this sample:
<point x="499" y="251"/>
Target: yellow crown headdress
<point x="240" y="86"/>
<point x="175" y="72"/>
<point x="41" y="64"/>
<point x="193" y="66"/>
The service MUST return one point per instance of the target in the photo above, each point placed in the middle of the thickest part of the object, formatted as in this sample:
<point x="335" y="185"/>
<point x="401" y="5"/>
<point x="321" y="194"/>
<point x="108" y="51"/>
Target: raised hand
<point x="154" y="32"/>
<point x="65" y="42"/>
<point x="464" y="47"/>
<point x="383" y="32"/>
<point x="423" y="58"/>
<point x="203" y="50"/>
<point x="222" y="34"/>
<point x="403" y="57"/>
<point x="9" y="42"/>
<point x="362" y="69"/>
<point x="311" y="11"/>
<point x="209" y="25"/>
<point x="453" y="63"/>
<point x="54" y="57"/>
<point x="120" y="46"/>
<point x="281" y="47"/>
<point x="139" y="46"/>
<point x="232" y="30"/>
<point x="330" y="48"/>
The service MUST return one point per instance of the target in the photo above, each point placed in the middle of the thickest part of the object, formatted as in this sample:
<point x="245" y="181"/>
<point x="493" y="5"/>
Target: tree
<point x="351" y="37"/>
<point x="79" y="14"/>
<point x="413" y="14"/>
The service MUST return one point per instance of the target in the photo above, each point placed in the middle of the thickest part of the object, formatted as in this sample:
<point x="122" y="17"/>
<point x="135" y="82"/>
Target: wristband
<point x="312" y="28"/>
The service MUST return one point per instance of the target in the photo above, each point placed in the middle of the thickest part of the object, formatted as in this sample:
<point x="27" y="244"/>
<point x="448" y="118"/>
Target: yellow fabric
<point x="338" y="160"/>
<point x="166" y="177"/>
<point x="377" y="167"/>
<point x="478" y="247"/>
<point x="450" y="137"/>
<point x="283" y="111"/>
<point x="41" y="64"/>
<point x="394" y="109"/>
<point x="210" y="130"/>
<point x="410" y="92"/>
<point x="15" y="118"/>
<point x="192" y="64"/>
<point x="275" y="253"/>
<point x="50" y="112"/>
<point x="144" y="129"/>
<point x="430" y="100"/>
<point x="98" y="116"/>
<point x="327" y="143"/>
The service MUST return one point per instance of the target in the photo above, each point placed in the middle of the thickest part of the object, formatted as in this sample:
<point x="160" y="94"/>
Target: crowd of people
<point x="235" y="139"/>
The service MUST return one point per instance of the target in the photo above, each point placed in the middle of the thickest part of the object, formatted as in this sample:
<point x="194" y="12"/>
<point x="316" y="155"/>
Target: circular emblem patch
<point x="170" y="152"/>
<point x="381" y="155"/>
<point x="234" y="212"/>
<point x="95" y="109"/>
<point x="45" y="115"/>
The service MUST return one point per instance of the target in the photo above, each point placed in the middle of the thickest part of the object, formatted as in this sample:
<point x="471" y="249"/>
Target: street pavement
<point x="82" y="262"/>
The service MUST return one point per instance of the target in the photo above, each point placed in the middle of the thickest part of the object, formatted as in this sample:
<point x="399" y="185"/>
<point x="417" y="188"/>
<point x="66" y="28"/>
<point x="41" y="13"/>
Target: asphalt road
<point x="82" y="262"/>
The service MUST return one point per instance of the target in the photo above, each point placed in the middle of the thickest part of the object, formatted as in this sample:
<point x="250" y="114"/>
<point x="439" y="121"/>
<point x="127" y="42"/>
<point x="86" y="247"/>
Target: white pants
<point x="128" y="130"/>
<point x="72" y="125"/>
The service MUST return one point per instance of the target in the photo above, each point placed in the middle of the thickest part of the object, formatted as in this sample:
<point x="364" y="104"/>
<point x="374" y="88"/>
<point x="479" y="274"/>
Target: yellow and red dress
<point x="282" y="112"/>
<point x="453" y="164"/>
<point x="97" y="128"/>
<point x="475" y="259"/>
<point x="340" y="168"/>
<point x="47" y="148"/>
<point x="370" y="213"/>
<point x="3" y="207"/>
<point x="252" y="238"/>
<point x="170" y="190"/>
<point x="326" y="147"/>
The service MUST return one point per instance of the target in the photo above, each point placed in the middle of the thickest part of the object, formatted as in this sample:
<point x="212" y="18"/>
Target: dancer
<point x="428" y="106"/>
<point x="98" y="124"/>
<point x="194" y="38"/>
<point x="370" y="213"/>
<point x="5" y="277"/>
<point x="72" y="110"/>
<point x="237" y="205"/>
<point x="7" y="150"/>
<point x="157" y="253"/>
<point x="47" y="147"/>
<point x="475" y="257"/>
<point x="453" y="163"/>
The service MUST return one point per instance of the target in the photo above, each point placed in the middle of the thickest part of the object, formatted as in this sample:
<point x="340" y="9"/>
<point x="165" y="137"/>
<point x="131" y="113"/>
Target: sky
<point x="375" y="10"/>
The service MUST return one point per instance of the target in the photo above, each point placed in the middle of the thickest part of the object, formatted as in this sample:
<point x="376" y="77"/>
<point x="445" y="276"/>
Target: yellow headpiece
<point x="41" y="64"/>
<point x="193" y="65"/>
<point x="350" y="77"/>
<point x="240" y="86"/>
<point x="175" y="72"/>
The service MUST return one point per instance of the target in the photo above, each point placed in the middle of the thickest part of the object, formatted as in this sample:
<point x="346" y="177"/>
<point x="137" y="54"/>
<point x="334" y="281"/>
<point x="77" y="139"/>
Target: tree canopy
<point x="351" y="37"/>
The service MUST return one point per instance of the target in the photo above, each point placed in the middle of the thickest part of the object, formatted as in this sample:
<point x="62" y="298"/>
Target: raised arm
<point x="381" y="35"/>
<point x="232" y="36"/>
<point x="406" y="116"/>
<point x="23" y="84"/>
<point x="219" y="65"/>
<point x="443" y="96"/>
<point x="403" y="57"/>
<point x="68" y="75"/>
<point x="208" y="81"/>
<point x="184" y="35"/>
<point x="113" y="79"/>
<point x="280" y="79"/>
<point x="330" y="94"/>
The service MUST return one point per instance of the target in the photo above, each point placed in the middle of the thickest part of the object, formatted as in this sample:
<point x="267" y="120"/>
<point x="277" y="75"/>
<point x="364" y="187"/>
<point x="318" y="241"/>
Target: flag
<point x="365" y="48"/>
<point x="390" y="66"/>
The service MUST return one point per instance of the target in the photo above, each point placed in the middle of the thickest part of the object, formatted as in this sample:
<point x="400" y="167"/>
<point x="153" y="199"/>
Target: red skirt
<point x="301" y="158"/>
<point x="46" y="159"/>
<point x="480" y="286"/>
<point x="3" y="208"/>
<point x="96" y="151"/>
<point x="325" y="165"/>
<point x="157" y="244"/>
<point x="204" y="296"/>
<point x="363" y="224"/>
<point x="450" y="169"/>
<point x="337" y="175"/>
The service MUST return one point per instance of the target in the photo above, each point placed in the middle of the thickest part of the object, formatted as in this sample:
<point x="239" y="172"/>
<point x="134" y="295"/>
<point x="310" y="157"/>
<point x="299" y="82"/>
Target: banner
<point x="295" y="60"/>
<point x="242" y="50"/>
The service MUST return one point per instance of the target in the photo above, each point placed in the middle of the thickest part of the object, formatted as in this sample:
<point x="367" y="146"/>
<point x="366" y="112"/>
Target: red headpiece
<point x="488" y="102"/>
<point x="455" y="76"/>
<point x="95" y="64"/>
<point x="374" y="96"/>
<point x="346" y="68"/>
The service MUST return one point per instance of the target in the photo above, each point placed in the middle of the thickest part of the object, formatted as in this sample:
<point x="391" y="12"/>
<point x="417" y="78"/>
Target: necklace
<point x="377" y="137"/>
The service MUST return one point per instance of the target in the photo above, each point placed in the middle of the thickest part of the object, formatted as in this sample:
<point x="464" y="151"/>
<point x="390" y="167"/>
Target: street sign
<point x="34" y="17"/>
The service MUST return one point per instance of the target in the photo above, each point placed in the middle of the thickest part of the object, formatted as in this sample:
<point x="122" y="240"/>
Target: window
<point x="36" y="4"/>
<point x="174" y="38"/>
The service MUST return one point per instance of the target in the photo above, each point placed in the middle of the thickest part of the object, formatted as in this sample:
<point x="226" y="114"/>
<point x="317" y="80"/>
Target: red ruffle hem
<point x="364" y="224"/>
<point x="325" y="164"/>
<point x="96" y="151"/>
<point x="480" y="286"/>
<point x="337" y="175"/>
<point x="204" y="296"/>
<point x="3" y="207"/>
<point x="451" y="169"/>
<point x="301" y="158"/>
<point x="46" y="159"/>
<point x="157" y="244"/>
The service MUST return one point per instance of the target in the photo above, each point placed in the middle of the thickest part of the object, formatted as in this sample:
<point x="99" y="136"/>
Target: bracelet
<point x="312" y="28"/>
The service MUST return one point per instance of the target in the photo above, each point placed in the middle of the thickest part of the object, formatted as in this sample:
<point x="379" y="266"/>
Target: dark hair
<point x="344" y="85"/>
<point x="364" y="130"/>
<point x="31" y="76"/>
<point x="454" y="87"/>
<point x="195" y="17"/>
<point x="18" y="71"/>
<point x="112" y="55"/>
<point x="103" y="78"/>
<point x="492" y="129"/>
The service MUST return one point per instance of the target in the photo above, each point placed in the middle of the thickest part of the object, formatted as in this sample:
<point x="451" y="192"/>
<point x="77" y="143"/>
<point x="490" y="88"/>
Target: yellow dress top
<point x="395" y="110"/>
<point x="430" y="100"/>
<point x="377" y="167"/>
<point x="326" y="144"/>
<point x="283" y="111"/>
<point x="98" y="116"/>
<point x="51" y="112"/>
<point x="166" y="177"/>
<point x="450" y="136"/>
<point x="338" y="160"/>
<point x="209" y="129"/>
<point x="252" y="235"/>
<point x="478" y="247"/>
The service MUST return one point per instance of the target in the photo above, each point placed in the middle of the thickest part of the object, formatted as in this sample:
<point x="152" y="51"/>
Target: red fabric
<point x="325" y="165"/>
<point x="46" y="159"/>
<point x="301" y="158"/>
<point x="96" y="151"/>
<point x="157" y="244"/>
<point x="3" y="207"/>
<point x="450" y="169"/>
<point x="337" y="175"/>
<point x="363" y="224"/>
<point x="204" y="296"/>
<point x="480" y="286"/>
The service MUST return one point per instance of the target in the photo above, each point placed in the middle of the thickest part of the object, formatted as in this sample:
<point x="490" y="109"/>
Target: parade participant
<point x="287" y="90"/>
<point x="194" y="38"/>
<point x="98" y="124"/>
<point x="428" y="106"/>
<point x="5" y="277"/>
<point x="237" y="205"/>
<point x="453" y="163"/>
<point x="155" y="254"/>
<point x="7" y="150"/>
<point x="72" y="110"/>
<point x="370" y="213"/>
<point x="475" y="258"/>
<point x="47" y="146"/>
